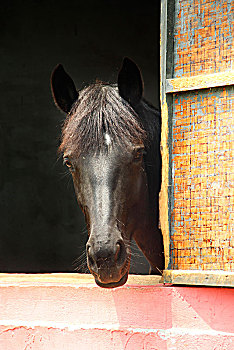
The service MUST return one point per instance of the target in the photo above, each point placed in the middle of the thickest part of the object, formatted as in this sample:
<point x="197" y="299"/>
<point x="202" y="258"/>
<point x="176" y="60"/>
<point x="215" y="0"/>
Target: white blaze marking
<point x="107" y="139"/>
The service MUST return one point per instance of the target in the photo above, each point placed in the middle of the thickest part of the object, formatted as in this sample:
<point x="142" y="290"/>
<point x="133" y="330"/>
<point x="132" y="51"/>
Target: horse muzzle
<point x="108" y="262"/>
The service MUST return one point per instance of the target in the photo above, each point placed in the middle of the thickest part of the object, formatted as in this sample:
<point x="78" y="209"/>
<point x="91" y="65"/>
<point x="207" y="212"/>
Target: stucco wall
<point x="55" y="312"/>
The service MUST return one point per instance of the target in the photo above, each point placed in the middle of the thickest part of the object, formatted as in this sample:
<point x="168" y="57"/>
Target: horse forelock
<point x="100" y="111"/>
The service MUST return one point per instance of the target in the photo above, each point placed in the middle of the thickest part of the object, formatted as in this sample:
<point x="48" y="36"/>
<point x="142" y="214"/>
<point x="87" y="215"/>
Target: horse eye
<point x="138" y="154"/>
<point x="67" y="162"/>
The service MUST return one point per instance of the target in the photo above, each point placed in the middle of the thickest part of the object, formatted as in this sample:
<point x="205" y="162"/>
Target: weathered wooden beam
<point x="60" y="279"/>
<point x="200" y="82"/>
<point x="166" y="42"/>
<point x="197" y="277"/>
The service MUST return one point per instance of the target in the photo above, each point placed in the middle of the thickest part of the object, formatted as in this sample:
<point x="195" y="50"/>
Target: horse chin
<point x="120" y="283"/>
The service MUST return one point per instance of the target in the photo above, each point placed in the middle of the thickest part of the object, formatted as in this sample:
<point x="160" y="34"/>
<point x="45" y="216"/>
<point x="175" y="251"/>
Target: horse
<point x="111" y="144"/>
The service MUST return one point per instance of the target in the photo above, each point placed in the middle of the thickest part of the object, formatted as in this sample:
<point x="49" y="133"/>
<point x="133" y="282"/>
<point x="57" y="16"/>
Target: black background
<point x="42" y="228"/>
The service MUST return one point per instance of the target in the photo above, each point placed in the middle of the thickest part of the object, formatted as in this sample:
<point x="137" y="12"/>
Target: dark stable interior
<point x="42" y="228"/>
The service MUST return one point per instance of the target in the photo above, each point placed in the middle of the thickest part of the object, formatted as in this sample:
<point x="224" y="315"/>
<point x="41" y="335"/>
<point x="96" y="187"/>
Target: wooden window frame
<point x="168" y="86"/>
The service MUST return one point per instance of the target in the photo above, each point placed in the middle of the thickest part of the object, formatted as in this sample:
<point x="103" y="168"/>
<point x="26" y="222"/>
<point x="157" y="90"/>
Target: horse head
<point x="105" y="145"/>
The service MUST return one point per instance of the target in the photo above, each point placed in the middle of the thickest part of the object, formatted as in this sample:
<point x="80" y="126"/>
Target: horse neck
<point x="154" y="181"/>
<point x="151" y="121"/>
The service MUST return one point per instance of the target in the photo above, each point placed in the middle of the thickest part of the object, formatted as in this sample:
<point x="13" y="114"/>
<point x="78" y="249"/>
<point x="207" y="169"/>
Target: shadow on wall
<point x="42" y="228"/>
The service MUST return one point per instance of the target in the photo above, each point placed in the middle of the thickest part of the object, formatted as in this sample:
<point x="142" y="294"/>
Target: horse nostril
<point x="89" y="256"/>
<point x="88" y="249"/>
<point x="120" y="252"/>
<point x="117" y="254"/>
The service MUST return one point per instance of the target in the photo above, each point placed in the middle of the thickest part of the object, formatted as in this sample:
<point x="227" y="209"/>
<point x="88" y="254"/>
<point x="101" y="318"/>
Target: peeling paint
<point x="203" y="37"/>
<point x="202" y="159"/>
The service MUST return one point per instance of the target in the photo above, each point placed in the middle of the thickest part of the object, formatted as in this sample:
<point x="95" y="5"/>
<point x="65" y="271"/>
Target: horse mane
<point x="100" y="110"/>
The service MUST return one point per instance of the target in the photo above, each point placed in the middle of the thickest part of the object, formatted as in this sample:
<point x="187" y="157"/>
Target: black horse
<point x="111" y="145"/>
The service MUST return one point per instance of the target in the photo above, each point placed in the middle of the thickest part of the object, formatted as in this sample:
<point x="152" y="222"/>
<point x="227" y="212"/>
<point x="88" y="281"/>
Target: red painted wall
<point x="70" y="312"/>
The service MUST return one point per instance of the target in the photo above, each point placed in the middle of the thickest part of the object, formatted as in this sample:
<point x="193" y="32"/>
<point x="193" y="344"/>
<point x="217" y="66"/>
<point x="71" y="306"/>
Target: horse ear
<point x="130" y="82"/>
<point x="63" y="89"/>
